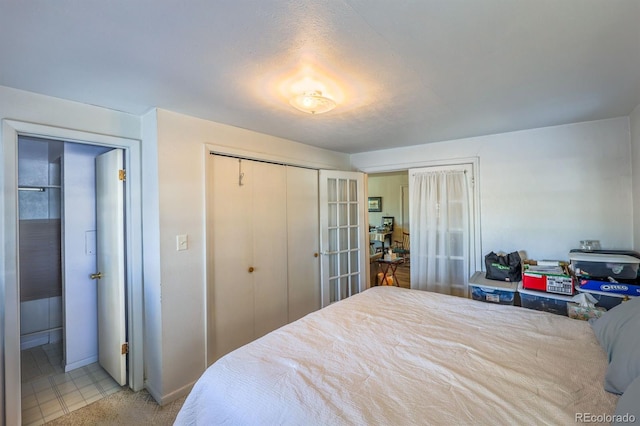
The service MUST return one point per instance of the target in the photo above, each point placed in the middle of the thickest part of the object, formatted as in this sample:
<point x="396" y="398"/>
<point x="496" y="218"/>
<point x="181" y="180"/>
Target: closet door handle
<point x="251" y="269"/>
<point x="96" y="276"/>
<point x="315" y="255"/>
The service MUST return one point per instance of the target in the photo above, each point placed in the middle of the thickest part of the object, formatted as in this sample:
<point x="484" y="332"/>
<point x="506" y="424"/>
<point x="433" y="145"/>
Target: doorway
<point x="391" y="188"/>
<point x="58" y="299"/>
<point x="381" y="184"/>
<point x="9" y="269"/>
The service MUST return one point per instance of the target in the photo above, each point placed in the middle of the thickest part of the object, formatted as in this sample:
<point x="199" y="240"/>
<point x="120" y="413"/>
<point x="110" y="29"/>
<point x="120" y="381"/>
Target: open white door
<point x="112" y="348"/>
<point x="343" y="224"/>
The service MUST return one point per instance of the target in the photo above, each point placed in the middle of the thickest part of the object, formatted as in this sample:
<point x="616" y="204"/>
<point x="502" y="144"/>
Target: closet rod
<point x="31" y="188"/>
<point x="279" y="163"/>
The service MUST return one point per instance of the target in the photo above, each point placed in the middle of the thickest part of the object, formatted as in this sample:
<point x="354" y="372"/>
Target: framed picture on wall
<point x="387" y="222"/>
<point x="375" y="204"/>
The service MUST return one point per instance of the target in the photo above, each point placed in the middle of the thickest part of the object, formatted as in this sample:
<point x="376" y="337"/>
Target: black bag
<point x="504" y="267"/>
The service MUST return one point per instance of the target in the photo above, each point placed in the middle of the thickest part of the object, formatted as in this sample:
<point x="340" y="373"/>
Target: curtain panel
<point x="440" y="233"/>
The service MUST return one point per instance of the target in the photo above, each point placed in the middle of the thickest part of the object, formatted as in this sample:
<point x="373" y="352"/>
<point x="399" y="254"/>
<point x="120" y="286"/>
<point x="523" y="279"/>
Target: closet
<point x="263" y="245"/>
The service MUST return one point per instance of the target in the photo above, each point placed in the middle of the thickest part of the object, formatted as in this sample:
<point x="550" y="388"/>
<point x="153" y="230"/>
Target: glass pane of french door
<point x="342" y="224"/>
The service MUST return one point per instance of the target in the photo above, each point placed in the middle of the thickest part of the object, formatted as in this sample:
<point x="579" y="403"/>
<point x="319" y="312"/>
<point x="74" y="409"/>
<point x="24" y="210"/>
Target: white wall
<point x="634" y="119"/>
<point x="178" y="341"/>
<point x="541" y="190"/>
<point x="34" y="108"/>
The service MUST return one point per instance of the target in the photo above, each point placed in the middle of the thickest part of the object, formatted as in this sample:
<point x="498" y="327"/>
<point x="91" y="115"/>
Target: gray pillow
<point x="618" y="332"/>
<point x="628" y="409"/>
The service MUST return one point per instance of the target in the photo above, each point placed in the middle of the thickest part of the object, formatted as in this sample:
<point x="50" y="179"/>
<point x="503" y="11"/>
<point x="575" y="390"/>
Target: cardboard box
<point x="609" y="287"/>
<point x="555" y="281"/>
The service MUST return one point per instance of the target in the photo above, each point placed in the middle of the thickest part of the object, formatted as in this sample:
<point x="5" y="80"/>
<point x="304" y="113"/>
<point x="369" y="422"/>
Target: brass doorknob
<point x="96" y="276"/>
<point x="251" y="269"/>
<point x="315" y="255"/>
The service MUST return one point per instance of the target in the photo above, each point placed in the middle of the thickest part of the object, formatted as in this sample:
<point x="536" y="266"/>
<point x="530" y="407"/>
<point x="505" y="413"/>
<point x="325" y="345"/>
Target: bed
<point x="396" y="356"/>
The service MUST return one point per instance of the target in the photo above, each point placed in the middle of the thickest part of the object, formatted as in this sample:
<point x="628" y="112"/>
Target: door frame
<point x="9" y="268"/>
<point x="475" y="248"/>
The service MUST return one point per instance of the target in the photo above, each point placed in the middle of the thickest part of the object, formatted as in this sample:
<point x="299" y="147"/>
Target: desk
<point x="389" y="265"/>
<point x="382" y="237"/>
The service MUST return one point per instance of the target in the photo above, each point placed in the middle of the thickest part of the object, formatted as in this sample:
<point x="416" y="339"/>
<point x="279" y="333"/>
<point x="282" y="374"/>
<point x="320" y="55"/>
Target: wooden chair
<point x="402" y="247"/>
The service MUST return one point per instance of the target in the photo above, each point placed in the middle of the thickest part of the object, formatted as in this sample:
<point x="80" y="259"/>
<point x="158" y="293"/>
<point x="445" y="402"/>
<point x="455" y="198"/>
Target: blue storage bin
<point x="543" y="301"/>
<point x="605" y="300"/>
<point x="492" y="291"/>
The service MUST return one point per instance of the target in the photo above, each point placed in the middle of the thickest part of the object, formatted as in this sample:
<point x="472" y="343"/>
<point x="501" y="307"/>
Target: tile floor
<point x="48" y="392"/>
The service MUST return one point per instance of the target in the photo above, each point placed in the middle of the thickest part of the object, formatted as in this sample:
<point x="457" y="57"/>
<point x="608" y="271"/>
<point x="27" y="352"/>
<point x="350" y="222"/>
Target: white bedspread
<point x="393" y="356"/>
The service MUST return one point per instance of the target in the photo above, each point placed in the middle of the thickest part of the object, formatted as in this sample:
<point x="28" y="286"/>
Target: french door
<point x="345" y="254"/>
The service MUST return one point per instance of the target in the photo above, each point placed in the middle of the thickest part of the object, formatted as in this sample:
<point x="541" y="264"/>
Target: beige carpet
<point x="123" y="408"/>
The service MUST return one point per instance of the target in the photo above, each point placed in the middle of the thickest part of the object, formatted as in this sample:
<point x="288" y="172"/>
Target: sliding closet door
<point x="248" y="249"/>
<point x="303" y="241"/>
<point x="269" y="209"/>
<point x="232" y="252"/>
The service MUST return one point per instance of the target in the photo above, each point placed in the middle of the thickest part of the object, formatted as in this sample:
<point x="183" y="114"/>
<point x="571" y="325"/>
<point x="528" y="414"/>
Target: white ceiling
<point x="403" y="72"/>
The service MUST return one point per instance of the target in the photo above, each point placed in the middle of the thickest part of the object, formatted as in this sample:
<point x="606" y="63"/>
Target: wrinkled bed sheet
<point x="394" y="356"/>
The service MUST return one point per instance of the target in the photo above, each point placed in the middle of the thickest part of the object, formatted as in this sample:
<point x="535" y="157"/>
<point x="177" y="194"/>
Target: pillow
<point x="628" y="409"/>
<point x="617" y="332"/>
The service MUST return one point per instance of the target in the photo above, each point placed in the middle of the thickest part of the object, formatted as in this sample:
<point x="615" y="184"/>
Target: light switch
<point x="181" y="242"/>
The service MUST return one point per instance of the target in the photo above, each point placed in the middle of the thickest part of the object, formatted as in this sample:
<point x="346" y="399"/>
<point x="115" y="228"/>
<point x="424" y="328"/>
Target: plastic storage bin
<point x="605" y="300"/>
<point x="541" y="301"/>
<point x="603" y="266"/>
<point x="501" y="292"/>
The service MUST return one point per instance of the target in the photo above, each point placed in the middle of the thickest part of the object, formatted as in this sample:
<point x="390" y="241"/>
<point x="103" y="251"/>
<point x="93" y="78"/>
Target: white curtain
<point x="440" y="231"/>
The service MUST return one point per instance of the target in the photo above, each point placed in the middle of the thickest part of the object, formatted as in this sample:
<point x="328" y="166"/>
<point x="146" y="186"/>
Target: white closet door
<point x="303" y="242"/>
<point x="232" y="251"/>
<point x="248" y="249"/>
<point x="269" y="213"/>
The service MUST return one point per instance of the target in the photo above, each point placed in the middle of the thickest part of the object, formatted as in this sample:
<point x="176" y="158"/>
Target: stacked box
<point x="608" y="287"/>
<point x="501" y="292"/>
<point x="552" y="282"/>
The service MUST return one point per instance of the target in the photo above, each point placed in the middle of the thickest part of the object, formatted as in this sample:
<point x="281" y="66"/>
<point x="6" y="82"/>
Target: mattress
<point x="396" y="356"/>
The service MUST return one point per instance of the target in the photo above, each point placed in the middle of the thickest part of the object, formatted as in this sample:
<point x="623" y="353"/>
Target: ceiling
<point x="402" y="72"/>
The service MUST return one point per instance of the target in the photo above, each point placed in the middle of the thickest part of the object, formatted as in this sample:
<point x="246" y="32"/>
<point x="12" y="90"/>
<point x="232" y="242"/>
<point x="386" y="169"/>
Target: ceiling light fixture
<point x="312" y="102"/>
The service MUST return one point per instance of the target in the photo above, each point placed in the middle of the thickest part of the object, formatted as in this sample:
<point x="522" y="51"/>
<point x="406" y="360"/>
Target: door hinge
<point x="122" y="174"/>
<point x="125" y="348"/>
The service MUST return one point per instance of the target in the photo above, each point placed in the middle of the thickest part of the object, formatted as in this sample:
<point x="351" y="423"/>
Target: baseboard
<point x="81" y="363"/>
<point x="166" y="399"/>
